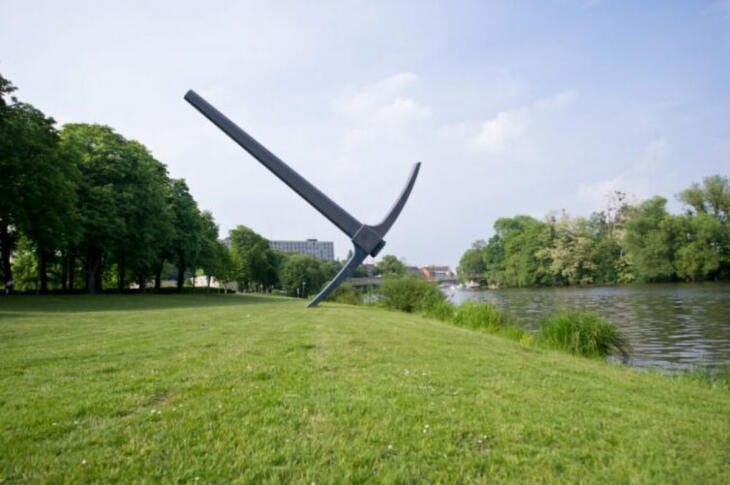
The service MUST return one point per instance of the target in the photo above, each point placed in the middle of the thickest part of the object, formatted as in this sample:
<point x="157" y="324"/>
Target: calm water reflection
<point x="669" y="326"/>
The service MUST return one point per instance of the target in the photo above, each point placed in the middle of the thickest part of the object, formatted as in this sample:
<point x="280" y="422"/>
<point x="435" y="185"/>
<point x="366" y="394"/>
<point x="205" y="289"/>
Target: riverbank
<point x="168" y="387"/>
<point x="671" y="326"/>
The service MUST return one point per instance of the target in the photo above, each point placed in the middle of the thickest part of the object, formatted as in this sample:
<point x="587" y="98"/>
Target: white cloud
<point x="640" y="180"/>
<point x="500" y="132"/>
<point x="496" y="134"/>
<point x="383" y="104"/>
<point x="374" y="115"/>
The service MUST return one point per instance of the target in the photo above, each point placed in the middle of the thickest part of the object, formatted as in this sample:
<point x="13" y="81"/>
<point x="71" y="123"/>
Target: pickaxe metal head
<point x="368" y="240"/>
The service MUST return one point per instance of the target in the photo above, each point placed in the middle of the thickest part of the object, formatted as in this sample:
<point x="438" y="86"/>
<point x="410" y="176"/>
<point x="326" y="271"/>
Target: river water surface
<point x="669" y="326"/>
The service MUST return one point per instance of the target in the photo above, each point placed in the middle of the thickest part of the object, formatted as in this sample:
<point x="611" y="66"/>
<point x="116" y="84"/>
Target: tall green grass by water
<point x="582" y="333"/>
<point x="222" y="388"/>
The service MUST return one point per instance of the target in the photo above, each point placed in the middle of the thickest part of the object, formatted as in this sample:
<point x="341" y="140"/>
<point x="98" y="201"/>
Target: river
<point x="669" y="326"/>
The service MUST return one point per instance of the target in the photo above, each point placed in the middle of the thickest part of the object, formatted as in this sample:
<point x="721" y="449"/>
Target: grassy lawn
<point x="229" y="388"/>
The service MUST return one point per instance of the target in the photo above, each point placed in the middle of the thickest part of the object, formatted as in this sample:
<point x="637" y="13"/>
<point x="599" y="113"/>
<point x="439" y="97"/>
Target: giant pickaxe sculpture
<point x="368" y="240"/>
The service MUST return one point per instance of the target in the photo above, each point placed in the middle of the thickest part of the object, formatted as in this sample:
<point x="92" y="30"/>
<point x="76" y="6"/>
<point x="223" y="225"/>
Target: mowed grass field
<point x="198" y="388"/>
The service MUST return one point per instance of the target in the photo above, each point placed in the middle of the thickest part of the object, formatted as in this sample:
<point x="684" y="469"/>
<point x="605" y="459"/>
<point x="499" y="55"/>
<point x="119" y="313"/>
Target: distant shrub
<point x="346" y="293"/>
<point x="443" y="310"/>
<point x="476" y="314"/>
<point x="485" y="316"/>
<point x="410" y="294"/>
<point x="581" y="333"/>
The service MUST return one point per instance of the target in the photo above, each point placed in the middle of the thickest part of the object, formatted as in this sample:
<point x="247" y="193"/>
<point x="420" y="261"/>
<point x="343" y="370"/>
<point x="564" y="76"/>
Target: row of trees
<point x="83" y="208"/>
<point x="91" y="206"/>
<point x="622" y="244"/>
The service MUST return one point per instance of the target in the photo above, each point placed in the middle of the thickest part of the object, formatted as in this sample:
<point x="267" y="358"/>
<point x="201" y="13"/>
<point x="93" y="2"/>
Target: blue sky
<point x="512" y="107"/>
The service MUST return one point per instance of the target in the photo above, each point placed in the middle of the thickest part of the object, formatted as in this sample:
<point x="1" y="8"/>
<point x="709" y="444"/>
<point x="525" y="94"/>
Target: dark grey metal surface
<point x="358" y="257"/>
<point x="339" y="216"/>
<point x="368" y="240"/>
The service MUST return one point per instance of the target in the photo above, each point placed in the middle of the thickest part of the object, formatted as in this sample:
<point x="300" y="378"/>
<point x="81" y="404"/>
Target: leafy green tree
<point x="255" y="263"/>
<point x="514" y="256"/>
<point x="390" y="265"/>
<point x="25" y="266"/>
<point x="302" y="275"/>
<point x="214" y="256"/>
<point x="185" y="242"/>
<point x="700" y="253"/>
<point x="37" y="186"/>
<point x="711" y="198"/>
<point x="650" y="241"/>
<point x="146" y="213"/>
<point x="472" y="265"/>
<point x="102" y="160"/>
<point x="571" y="251"/>
<point x="9" y="199"/>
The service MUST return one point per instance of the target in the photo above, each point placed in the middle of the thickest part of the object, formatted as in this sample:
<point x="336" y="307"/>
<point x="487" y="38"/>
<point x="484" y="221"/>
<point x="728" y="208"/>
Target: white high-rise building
<point x="319" y="249"/>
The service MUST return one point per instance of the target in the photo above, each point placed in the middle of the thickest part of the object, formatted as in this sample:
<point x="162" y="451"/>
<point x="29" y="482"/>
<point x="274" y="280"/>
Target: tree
<point x="185" y="242"/>
<point x="147" y="216"/>
<point x="471" y="264"/>
<point x="302" y="275"/>
<point x="8" y="197"/>
<point x="37" y="183"/>
<point x="103" y="163"/>
<point x="650" y="241"/>
<point x="514" y="256"/>
<point x="568" y="251"/>
<point x="713" y="199"/>
<point x="390" y="265"/>
<point x="700" y="252"/>
<point x="214" y="256"/>
<point x="254" y="262"/>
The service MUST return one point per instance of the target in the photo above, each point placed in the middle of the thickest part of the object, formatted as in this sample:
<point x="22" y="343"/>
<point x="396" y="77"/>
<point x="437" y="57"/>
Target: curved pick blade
<point x="385" y="225"/>
<point x="358" y="257"/>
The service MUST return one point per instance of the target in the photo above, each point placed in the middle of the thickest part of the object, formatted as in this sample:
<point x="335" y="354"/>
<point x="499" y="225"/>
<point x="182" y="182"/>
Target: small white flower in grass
<point x="83" y="462"/>
<point x="390" y="447"/>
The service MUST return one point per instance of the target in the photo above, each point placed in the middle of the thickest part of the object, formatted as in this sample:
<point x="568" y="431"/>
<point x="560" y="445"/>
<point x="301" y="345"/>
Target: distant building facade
<point x="319" y="249"/>
<point x="437" y="272"/>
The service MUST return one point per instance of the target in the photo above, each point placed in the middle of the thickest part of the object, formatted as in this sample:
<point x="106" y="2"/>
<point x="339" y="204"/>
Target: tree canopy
<point x="621" y="244"/>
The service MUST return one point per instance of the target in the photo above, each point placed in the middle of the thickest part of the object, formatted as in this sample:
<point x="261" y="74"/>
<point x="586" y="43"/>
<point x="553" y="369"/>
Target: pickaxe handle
<point x="326" y="206"/>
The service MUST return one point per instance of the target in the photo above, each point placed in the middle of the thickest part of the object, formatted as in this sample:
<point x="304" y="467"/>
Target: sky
<point x="512" y="107"/>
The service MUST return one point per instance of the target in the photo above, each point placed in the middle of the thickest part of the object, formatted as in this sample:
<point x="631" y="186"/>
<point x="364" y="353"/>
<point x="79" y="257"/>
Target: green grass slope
<point x="228" y="388"/>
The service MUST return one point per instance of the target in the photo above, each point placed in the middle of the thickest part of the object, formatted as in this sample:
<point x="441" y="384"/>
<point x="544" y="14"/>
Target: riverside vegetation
<point x="576" y="332"/>
<point x="215" y="388"/>
<point x="628" y="242"/>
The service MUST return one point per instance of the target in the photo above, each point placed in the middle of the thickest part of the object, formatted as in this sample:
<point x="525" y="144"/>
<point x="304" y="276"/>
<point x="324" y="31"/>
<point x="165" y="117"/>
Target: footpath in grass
<point x="227" y="388"/>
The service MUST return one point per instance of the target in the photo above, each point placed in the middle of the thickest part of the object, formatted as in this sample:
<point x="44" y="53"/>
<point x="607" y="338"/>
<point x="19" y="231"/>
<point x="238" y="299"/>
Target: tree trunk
<point x="64" y="272"/>
<point x="71" y="272"/>
<point x="7" y="244"/>
<point x="208" y="283"/>
<point x="180" y="274"/>
<point x="93" y="270"/>
<point x="121" y="272"/>
<point x="43" y="255"/>
<point x="142" y="282"/>
<point x="158" y="276"/>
